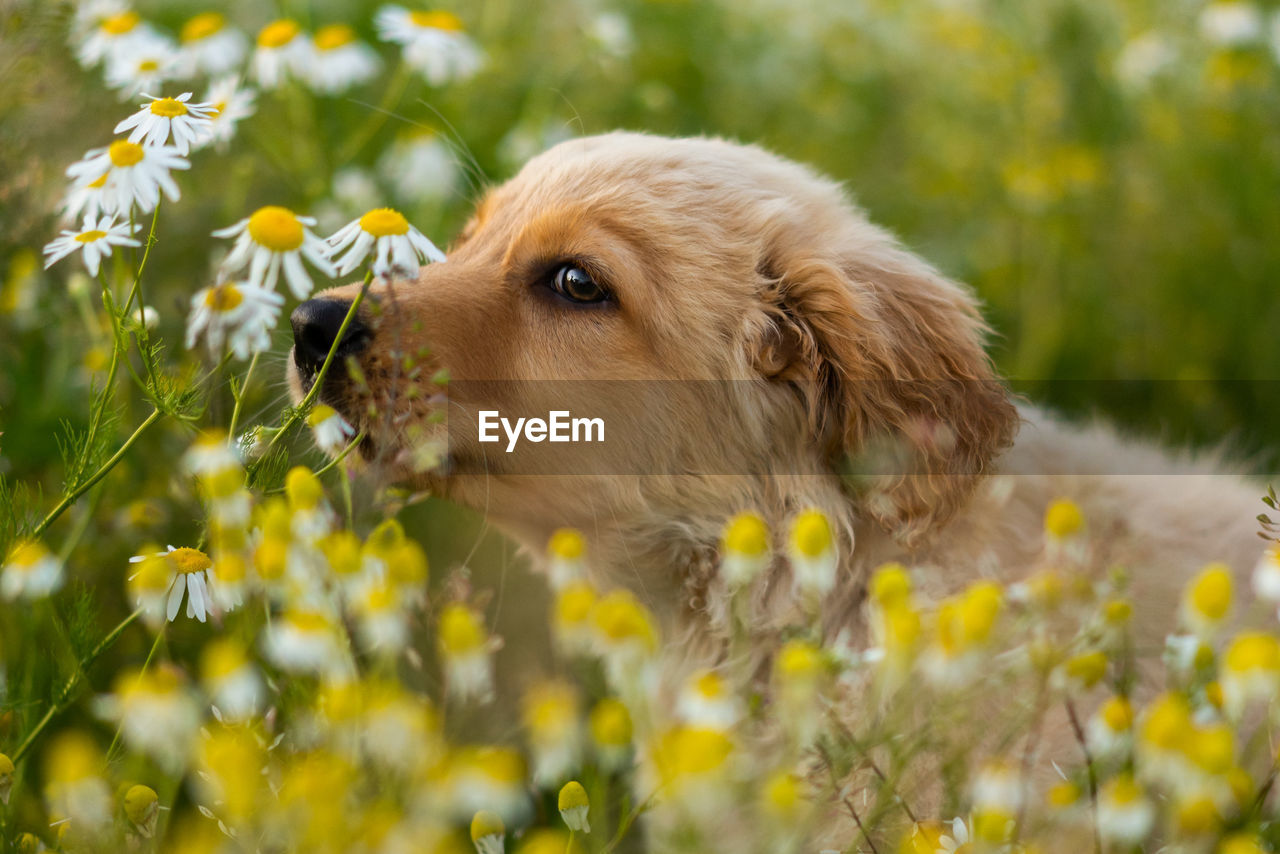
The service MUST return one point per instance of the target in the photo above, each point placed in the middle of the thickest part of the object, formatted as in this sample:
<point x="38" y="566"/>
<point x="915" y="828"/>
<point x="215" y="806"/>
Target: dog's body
<point x="790" y="335"/>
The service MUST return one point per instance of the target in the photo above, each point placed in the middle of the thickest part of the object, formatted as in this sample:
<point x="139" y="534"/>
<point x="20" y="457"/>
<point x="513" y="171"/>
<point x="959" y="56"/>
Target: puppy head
<point x="744" y="317"/>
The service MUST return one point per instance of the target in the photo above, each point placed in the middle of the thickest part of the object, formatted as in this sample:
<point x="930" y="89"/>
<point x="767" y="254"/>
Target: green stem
<point x="625" y="825"/>
<point x="63" y="699"/>
<point x="155" y="645"/>
<point x="73" y="496"/>
<point x="239" y="397"/>
<point x="302" y="408"/>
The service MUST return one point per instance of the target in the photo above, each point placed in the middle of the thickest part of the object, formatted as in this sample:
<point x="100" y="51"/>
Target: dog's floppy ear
<point x="888" y="357"/>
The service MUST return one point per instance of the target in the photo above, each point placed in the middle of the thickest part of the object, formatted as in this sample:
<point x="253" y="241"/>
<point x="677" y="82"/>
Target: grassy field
<point x="1106" y="176"/>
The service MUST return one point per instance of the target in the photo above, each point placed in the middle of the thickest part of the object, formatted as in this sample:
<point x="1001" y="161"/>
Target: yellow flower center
<point x="573" y="605"/>
<point x="610" y="723"/>
<point x="334" y="36"/>
<point x="202" y="26"/>
<point x="308" y="621"/>
<point x="799" y="660"/>
<point x="303" y="488"/>
<point x="278" y="33"/>
<point x="189" y="561"/>
<point x="572" y="796"/>
<point x="28" y="554"/>
<point x="168" y="107"/>
<point x="384" y="222"/>
<point x="710" y="685"/>
<point x="1252" y="651"/>
<point x="319" y="415"/>
<point x="276" y="228"/>
<point x="1210" y="593"/>
<point x="90" y="236"/>
<point x="460" y="631"/>
<point x="1087" y="668"/>
<point x="148" y="65"/>
<point x="747" y="535"/>
<point x="223" y="297"/>
<point x="1063" y="519"/>
<point x="437" y="19"/>
<point x="1123" y="791"/>
<point x="124" y="154"/>
<point x="222" y="658"/>
<point x="891" y="586"/>
<point x="217" y="109"/>
<point x="118" y="25"/>
<point x="1117" y="714"/>
<point x="484" y="824"/>
<point x="811" y="534"/>
<point x="100" y="183"/>
<point x="565" y="543"/>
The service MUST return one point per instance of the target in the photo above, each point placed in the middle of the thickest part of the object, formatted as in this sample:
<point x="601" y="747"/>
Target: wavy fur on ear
<point x="889" y="356"/>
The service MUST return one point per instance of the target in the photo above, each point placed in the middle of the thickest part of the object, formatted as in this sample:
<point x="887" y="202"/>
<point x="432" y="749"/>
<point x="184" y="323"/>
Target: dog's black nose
<point x="315" y="327"/>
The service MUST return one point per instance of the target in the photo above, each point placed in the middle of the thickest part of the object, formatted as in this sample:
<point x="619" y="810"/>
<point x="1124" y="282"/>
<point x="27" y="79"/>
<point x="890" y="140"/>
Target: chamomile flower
<point x="339" y="61"/>
<point x="306" y="642"/>
<point x="31" y="571"/>
<point x="74" y="786"/>
<point x="399" y="248"/>
<point x="381" y="620"/>
<point x="692" y="765"/>
<point x="189" y="124"/>
<point x="142" y="808"/>
<point x="209" y="46"/>
<point x="156" y="711"/>
<point x="490" y="777"/>
<point x="571" y="618"/>
<point x="6" y="778"/>
<point x="419" y="167"/>
<point x="94" y="238"/>
<point x="1206" y="601"/>
<point x="331" y="430"/>
<point x="1231" y="23"/>
<point x="610" y="727"/>
<point x="434" y="43"/>
<point x="115" y="29"/>
<point x="1250" y="671"/>
<point x="812" y="550"/>
<point x="191" y="575"/>
<point x="488" y="832"/>
<point x="87" y="199"/>
<point x="1110" y="731"/>
<point x="744" y="549"/>
<point x="273" y="238"/>
<point x="232" y="682"/>
<point x="574" y="804"/>
<point x="132" y="175"/>
<point x="234" y="314"/>
<point x="145" y="65"/>
<point x="465" y="649"/>
<point x="230" y="104"/>
<point x="1266" y="575"/>
<point x="550" y="714"/>
<point x="1125" y="815"/>
<point x="282" y="49"/>
<point x="565" y="551"/>
<point x="706" y="700"/>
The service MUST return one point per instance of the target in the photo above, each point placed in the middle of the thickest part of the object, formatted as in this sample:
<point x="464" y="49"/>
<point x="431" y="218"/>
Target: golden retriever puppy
<point x="749" y="341"/>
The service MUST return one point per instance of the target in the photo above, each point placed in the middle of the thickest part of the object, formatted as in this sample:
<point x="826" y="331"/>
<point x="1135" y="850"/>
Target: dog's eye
<point x="575" y="284"/>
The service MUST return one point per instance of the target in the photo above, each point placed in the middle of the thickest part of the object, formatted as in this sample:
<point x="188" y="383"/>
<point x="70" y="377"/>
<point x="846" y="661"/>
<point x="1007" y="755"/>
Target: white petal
<point x="175" y="596"/>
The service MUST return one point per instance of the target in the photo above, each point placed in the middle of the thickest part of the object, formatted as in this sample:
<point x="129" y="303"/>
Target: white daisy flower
<point x="420" y="168"/>
<point x="95" y="238"/>
<point x="211" y="456"/>
<point x="131" y="174"/>
<point x="89" y="199"/>
<point x="399" y="247"/>
<point x="275" y="237"/>
<point x="231" y="680"/>
<point x="145" y="65"/>
<point x="156" y="711"/>
<point x="152" y="125"/>
<point x="812" y="550"/>
<point x="1231" y="23"/>
<point x="145" y="316"/>
<point x="706" y="700"/>
<point x="1125" y="815"/>
<point x="192" y="576"/>
<point x="32" y="572"/>
<point x="90" y="14"/>
<point x="434" y="43"/>
<point x="209" y="46"/>
<point x="1266" y="576"/>
<point x="108" y="30"/>
<point x="234" y="314"/>
<point x="1143" y="58"/>
<point x="282" y="49"/>
<point x="330" y="429"/>
<point x="230" y="104"/>
<point x="305" y="641"/>
<point x="339" y="61"/>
